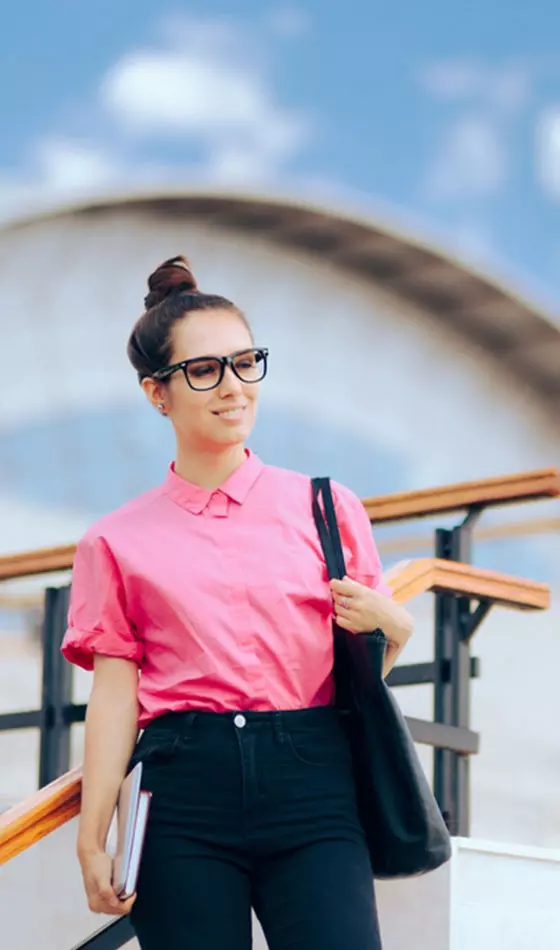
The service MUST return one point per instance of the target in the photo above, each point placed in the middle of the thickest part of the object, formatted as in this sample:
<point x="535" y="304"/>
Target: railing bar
<point x="24" y="719"/>
<point x="441" y="736"/>
<point x="111" y="937"/>
<point x="412" y="674"/>
<point x="31" y="718"/>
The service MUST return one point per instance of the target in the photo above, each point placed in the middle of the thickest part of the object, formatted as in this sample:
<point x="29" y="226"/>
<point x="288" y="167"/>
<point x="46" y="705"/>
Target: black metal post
<point x="452" y="685"/>
<point x="443" y="691"/>
<point x="54" y="753"/>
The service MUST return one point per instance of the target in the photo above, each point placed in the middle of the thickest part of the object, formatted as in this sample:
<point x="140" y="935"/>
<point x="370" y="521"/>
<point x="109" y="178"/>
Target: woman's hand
<point x="96" y="870"/>
<point x="359" y="609"/>
<point x="356" y="607"/>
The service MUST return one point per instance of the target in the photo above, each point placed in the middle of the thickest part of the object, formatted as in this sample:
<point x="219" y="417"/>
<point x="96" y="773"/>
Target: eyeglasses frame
<point x="162" y="374"/>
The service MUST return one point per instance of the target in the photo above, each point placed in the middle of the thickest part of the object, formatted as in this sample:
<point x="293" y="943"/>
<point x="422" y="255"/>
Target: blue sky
<point x="445" y="119"/>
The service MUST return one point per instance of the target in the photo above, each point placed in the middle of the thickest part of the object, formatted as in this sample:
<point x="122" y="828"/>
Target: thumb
<point x="345" y="586"/>
<point x="351" y="583"/>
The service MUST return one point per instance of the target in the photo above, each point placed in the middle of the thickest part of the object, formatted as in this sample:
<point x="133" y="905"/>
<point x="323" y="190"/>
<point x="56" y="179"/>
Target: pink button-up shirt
<point x="221" y="597"/>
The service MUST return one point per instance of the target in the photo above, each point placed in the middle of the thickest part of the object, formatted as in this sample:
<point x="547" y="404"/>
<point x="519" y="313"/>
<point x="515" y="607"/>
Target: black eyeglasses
<point x="207" y="372"/>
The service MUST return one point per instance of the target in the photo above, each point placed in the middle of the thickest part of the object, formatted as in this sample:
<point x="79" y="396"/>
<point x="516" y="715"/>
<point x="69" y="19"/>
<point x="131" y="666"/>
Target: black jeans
<point x="252" y="810"/>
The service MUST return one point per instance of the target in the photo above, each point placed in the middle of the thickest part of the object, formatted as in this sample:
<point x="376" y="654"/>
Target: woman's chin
<point x="233" y="435"/>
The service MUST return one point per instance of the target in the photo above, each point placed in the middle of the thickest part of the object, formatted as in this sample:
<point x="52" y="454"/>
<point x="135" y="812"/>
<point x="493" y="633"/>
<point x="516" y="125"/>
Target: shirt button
<point x="240" y="721"/>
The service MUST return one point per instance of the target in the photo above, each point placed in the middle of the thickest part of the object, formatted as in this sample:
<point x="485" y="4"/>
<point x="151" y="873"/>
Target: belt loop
<point x="190" y="719"/>
<point x="279" y="726"/>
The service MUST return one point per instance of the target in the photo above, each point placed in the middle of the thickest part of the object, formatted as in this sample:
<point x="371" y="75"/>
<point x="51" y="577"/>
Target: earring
<point x="161" y="408"/>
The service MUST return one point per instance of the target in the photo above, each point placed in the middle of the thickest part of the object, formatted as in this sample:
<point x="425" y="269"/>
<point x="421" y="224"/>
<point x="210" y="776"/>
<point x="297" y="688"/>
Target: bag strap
<point x="327" y="528"/>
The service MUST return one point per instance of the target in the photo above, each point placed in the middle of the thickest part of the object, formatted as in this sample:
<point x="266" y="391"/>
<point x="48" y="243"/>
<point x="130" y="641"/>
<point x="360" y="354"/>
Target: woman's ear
<point x="155" y="392"/>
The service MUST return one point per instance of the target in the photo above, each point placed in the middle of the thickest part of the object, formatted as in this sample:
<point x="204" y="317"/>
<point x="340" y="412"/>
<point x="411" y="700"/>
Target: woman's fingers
<point x="346" y="604"/>
<point x="127" y="905"/>
<point x="345" y="617"/>
<point x="345" y="599"/>
<point x="346" y="623"/>
<point x="109" y="903"/>
<point x="102" y="899"/>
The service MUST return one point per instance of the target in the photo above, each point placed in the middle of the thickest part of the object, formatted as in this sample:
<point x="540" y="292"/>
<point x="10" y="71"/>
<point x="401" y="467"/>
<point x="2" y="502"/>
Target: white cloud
<point x="290" y="22"/>
<point x="233" y="158"/>
<point x="510" y="89"/>
<point x="205" y="85"/>
<point x="59" y="167"/>
<point x="452" y="79"/>
<point x="218" y="38"/>
<point x="212" y="95"/>
<point x="470" y="161"/>
<point x="548" y="151"/>
<point x="64" y="164"/>
<point x="236" y="164"/>
<point x="155" y="93"/>
<point x="471" y="158"/>
<point x="505" y="87"/>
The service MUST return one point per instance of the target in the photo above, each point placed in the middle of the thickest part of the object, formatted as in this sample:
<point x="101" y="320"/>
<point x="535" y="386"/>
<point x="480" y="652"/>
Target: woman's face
<point x="211" y="418"/>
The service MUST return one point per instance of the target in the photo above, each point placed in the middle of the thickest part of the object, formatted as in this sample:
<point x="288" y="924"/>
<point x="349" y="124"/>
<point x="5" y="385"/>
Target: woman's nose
<point x="230" y="382"/>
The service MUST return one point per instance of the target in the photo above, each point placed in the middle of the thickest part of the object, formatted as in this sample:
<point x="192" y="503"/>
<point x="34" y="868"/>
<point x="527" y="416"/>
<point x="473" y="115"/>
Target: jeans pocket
<point x="157" y="746"/>
<point x="317" y="749"/>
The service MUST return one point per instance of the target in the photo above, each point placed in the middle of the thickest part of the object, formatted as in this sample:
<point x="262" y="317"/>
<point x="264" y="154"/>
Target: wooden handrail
<point x="487" y="492"/>
<point x="409" y="579"/>
<point x="41" y="561"/>
<point x="407" y="544"/>
<point x="55" y="804"/>
<point x="40" y="814"/>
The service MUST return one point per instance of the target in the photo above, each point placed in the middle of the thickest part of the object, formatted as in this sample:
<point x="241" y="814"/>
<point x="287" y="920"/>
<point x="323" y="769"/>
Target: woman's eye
<point x="205" y="370"/>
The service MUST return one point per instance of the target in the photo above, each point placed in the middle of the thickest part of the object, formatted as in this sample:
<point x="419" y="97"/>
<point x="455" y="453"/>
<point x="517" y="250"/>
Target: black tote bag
<point x="404" y="828"/>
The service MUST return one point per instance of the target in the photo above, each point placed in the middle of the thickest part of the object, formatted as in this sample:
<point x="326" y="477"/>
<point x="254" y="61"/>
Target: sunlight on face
<point x="223" y="416"/>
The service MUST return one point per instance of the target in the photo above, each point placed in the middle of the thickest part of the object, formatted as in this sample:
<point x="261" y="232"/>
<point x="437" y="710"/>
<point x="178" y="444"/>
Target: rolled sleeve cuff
<point x="80" y="646"/>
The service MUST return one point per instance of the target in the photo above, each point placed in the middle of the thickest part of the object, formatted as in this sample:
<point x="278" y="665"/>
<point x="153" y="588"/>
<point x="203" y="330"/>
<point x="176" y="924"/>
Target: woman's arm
<point x="397" y="625"/>
<point x="111" y="730"/>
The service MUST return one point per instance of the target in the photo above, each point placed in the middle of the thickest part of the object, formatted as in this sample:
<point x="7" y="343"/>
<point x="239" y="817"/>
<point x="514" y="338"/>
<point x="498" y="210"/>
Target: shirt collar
<point x="236" y="487"/>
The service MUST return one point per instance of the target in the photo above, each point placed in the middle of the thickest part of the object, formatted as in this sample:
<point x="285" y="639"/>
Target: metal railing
<point x="449" y="673"/>
<point x="58" y="713"/>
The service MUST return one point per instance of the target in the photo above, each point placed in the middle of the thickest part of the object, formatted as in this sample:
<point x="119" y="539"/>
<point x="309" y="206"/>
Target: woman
<point x="205" y="610"/>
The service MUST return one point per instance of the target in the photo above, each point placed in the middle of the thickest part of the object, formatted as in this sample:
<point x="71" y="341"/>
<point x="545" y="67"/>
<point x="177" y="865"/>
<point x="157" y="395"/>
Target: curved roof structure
<point x="488" y="312"/>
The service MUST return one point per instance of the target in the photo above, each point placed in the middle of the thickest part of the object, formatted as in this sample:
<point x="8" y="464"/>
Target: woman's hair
<point x="173" y="293"/>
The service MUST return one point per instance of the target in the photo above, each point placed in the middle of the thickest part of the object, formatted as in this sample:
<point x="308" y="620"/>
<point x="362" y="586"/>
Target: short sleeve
<point x="97" y="618"/>
<point x="362" y="559"/>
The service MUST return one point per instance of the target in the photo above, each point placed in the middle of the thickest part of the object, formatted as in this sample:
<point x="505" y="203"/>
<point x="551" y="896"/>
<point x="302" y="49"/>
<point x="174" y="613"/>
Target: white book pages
<point x="126" y="813"/>
<point x="137" y="843"/>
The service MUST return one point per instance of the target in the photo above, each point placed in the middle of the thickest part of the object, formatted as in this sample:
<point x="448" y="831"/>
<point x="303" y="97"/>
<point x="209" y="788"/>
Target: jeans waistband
<point x="278" y="721"/>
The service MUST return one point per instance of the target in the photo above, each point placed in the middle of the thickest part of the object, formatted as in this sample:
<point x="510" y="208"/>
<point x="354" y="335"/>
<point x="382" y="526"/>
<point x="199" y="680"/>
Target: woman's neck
<point x="208" y="469"/>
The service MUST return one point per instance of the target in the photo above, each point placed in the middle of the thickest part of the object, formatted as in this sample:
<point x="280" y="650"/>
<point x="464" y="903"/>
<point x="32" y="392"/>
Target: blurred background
<point x="378" y="188"/>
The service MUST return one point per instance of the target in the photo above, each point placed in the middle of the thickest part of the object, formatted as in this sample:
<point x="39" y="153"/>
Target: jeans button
<point x="240" y="721"/>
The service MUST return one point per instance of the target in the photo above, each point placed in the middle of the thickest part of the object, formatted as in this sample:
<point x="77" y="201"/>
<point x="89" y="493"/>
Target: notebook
<point x="133" y="806"/>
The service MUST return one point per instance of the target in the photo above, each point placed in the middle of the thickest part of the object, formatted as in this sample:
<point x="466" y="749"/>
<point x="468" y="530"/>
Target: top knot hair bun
<point x="173" y="276"/>
<point x="173" y="294"/>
